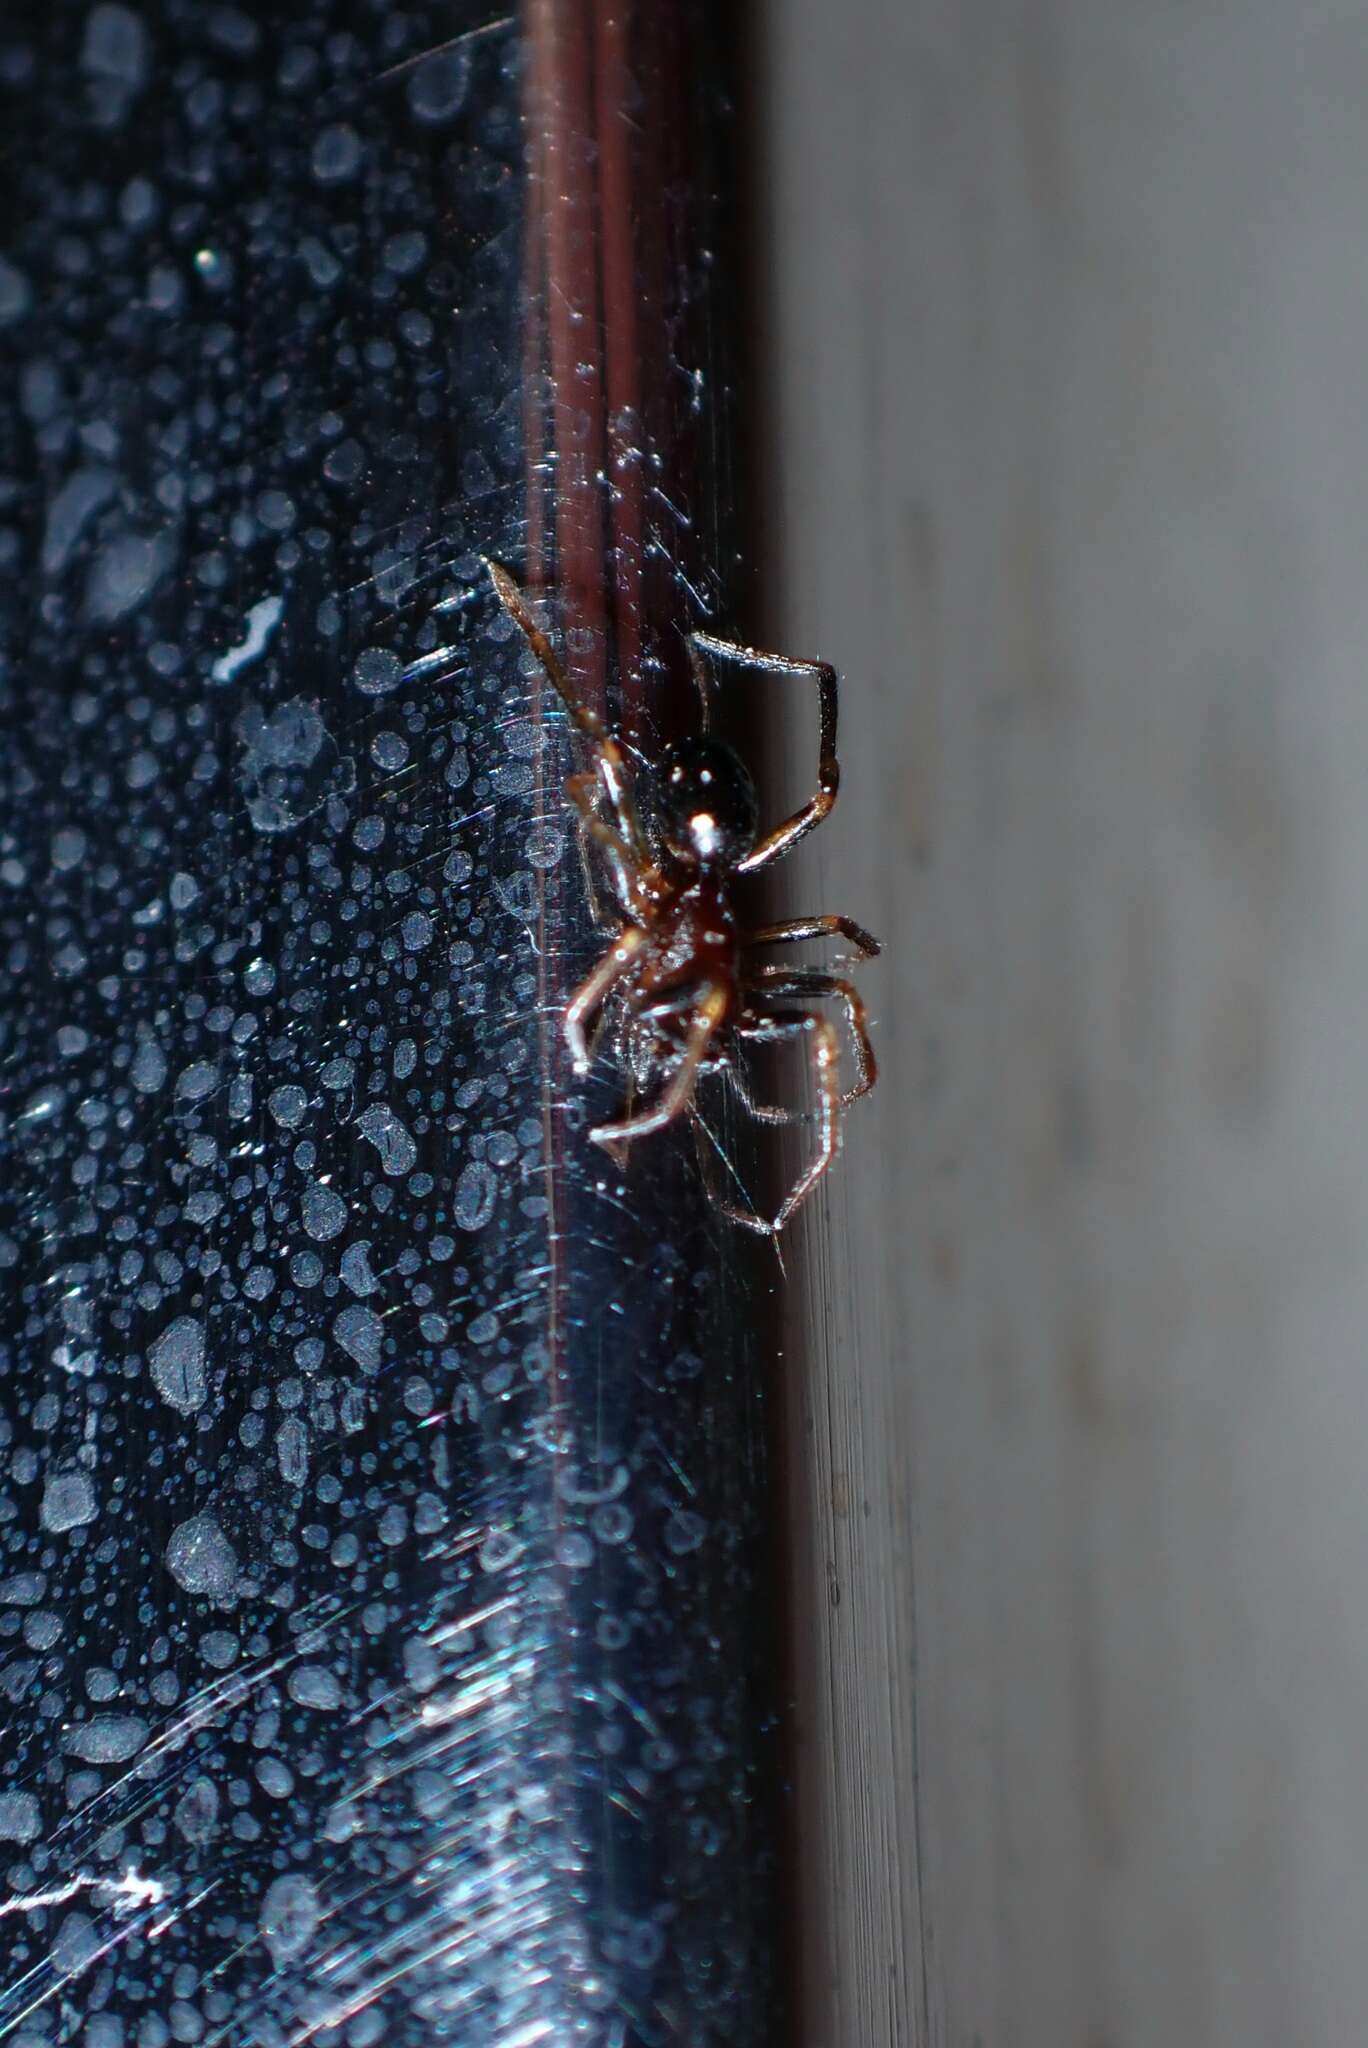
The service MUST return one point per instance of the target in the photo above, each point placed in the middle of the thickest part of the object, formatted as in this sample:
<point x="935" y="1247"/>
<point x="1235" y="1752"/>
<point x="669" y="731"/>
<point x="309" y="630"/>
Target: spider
<point x="681" y="966"/>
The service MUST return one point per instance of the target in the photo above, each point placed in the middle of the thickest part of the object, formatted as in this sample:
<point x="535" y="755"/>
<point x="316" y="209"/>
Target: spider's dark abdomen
<point x="708" y="804"/>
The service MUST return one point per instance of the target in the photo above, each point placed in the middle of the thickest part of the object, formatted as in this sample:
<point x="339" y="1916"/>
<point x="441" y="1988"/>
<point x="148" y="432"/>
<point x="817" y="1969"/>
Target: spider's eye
<point x="708" y="802"/>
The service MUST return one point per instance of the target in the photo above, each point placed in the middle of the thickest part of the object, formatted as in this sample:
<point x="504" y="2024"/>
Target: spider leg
<point x="588" y="997"/>
<point x="616" y="1030"/>
<point x="778" y="842"/>
<point x="702" y="681"/>
<point x="826" y="1074"/>
<point x="810" y="981"/>
<point x="634" y="1056"/>
<point x="582" y="791"/>
<point x="792" y="929"/>
<point x="678" y="1093"/>
<point x="705" y="1144"/>
<point x="600" y="913"/>
<point x="609" y="758"/>
<point x="765" y="1031"/>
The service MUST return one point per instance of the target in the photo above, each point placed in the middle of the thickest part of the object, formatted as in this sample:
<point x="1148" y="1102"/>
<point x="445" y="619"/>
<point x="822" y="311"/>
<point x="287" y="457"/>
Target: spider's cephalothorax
<point x="681" y="967"/>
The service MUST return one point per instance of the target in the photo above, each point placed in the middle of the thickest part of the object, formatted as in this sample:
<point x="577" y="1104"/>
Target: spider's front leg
<point x="624" y="870"/>
<point x="818" y="806"/>
<point x="610" y="763"/>
<point x="594" y="991"/>
<point x="677" y="1095"/>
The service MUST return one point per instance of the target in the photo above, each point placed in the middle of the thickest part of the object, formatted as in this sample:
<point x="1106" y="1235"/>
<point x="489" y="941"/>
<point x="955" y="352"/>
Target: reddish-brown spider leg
<point x="611" y="764"/>
<point x="678" y="1093"/>
<point x="705" y="1144"/>
<point x="594" y="989"/>
<point x="701" y="678"/>
<point x="826" y="1060"/>
<point x="582" y="790"/>
<point x="818" y="806"/>
<point x="792" y="929"/>
<point x="811" y="981"/>
<point x="826" y="1072"/>
<point x="766" y="1031"/>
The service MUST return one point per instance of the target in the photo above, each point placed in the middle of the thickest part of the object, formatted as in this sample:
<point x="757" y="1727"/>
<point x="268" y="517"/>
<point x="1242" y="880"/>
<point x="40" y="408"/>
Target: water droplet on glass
<point x="68" y="1502"/>
<point x="377" y="671"/>
<point x="20" y="1820"/>
<point x="380" y="1127"/>
<point x="148" y="1071"/>
<point x="313" y="1685"/>
<point x="476" y="1192"/>
<point x="107" y="1739"/>
<point x="337" y="154"/>
<point x="324" y="1212"/>
<point x="125" y="572"/>
<point x="288" y="1105"/>
<point x="289" y="1918"/>
<point x="16" y="293"/>
<point x="356" y="1269"/>
<point x="290" y="764"/>
<point x="197" y="1811"/>
<point x="196" y="1081"/>
<point x="359" y="1331"/>
<point x="200" y="1558"/>
<point x="438" y="86"/>
<point x="177" y="1362"/>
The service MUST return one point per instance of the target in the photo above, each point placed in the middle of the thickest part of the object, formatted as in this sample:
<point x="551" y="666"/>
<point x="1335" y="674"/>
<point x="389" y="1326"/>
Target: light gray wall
<point x="1070" y="476"/>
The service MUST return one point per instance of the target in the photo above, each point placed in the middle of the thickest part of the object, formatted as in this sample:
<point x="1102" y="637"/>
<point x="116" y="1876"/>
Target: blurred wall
<point x="1068" y="471"/>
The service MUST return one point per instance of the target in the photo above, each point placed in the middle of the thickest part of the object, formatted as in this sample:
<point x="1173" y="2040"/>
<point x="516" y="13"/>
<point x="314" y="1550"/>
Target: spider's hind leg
<point x="812" y="981"/>
<point x="759" y="1030"/>
<point x="705" y="1144"/>
<point x="826" y="1075"/>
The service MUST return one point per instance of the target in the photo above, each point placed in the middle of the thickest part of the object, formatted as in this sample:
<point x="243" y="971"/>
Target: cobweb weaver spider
<point x="681" y="965"/>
